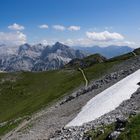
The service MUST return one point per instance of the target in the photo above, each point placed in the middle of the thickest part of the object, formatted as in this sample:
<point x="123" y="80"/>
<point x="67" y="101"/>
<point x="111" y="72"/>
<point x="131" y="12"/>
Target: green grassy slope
<point x="126" y="56"/>
<point x="24" y="93"/>
<point x="85" y="62"/>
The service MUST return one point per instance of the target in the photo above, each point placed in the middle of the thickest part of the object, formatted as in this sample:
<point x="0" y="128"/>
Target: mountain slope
<point x="56" y="57"/>
<point x="24" y="93"/>
<point x="86" y="62"/>
<point x="107" y="100"/>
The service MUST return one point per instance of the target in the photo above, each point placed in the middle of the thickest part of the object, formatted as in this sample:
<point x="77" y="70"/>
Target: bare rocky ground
<point x="128" y="108"/>
<point x="50" y="123"/>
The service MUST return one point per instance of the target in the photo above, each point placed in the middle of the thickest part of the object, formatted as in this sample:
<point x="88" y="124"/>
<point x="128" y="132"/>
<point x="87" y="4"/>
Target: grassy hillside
<point x="126" y="56"/>
<point x="132" y="130"/>
<point x="85" y="62"/>
<point x="24" y="93"/>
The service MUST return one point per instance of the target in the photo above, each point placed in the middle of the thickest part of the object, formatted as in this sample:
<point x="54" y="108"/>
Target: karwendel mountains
<point x="39" y="57"/>
<point x="36" y="57"/>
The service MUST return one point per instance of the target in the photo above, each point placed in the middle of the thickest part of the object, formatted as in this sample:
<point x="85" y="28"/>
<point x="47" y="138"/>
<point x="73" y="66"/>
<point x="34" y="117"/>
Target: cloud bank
<point x="104" y="36"/>
<point x="12" y="38"/>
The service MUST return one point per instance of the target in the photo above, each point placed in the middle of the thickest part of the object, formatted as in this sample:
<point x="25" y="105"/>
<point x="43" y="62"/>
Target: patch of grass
<point x="31" y="91"/>
<point x="98" y="70"/>
<point x="98" y="134"/>
<point x="8" y="127"/>
<point x="85" y="62"/>
<point x="132" y="130"/>
<point x="126" y="56"/>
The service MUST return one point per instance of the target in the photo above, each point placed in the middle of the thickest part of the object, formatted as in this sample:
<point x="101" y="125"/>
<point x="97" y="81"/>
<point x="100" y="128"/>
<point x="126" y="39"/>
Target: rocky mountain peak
<point x="60" y="46"/>
<point x="38" y="57"/>
<point x="24" y="47"/>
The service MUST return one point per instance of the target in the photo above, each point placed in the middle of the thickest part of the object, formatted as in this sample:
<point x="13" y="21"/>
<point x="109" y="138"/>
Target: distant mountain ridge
<point x="109" y="51"/>
<point x="36" y="57"/>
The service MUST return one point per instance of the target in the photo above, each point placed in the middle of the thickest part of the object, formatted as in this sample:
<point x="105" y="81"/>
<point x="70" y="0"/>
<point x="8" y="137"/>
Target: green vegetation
<point x="85" y="62"/>
<point x="126" y="56"/>
<point x="132" y="130"/>
<point x="26" y="92"/>
<point x="10" y="125"/>
<point x="98" y="134"/>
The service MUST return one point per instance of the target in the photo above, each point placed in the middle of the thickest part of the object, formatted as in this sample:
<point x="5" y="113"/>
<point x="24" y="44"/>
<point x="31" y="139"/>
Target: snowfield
<point x="107" y="100"/>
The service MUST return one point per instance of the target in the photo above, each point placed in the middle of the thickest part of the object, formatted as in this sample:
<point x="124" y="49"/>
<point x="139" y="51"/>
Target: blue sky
<point x="74" y="22"/>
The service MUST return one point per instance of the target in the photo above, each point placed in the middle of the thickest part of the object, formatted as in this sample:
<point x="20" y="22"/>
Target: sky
<point x="73" y="22"/>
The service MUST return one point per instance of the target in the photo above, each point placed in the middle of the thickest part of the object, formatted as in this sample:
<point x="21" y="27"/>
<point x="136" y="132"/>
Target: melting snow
<point x="107" y="100"/>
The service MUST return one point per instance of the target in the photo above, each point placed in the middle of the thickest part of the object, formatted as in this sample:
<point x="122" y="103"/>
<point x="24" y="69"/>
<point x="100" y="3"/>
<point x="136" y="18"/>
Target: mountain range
<point x="40" y="57"/>
<point x="109" y="51"/>
<point x="36" y="57"/>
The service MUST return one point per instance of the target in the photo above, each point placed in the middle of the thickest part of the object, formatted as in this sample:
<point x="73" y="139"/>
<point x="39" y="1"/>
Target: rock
<point x="113" y="136"/>
<point x="133" y="113"/>
<point x="138" y="83"/>
<point x="120" y="123"/>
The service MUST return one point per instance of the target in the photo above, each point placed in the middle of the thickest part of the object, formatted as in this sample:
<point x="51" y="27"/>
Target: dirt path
<point x="84" y="76"/>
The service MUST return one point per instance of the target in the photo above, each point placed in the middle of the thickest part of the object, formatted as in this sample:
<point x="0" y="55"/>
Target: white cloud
<point x="59" y="27"/>
<point x="44" y="26"/>
<point x="13" y="38"/>
<point x="83" y="42"/>
<point x="16" y="26"/>
<point x="45" y="42"/>
<point x="86" y="42"/>
<point x="62" y="28"/>
<point x="74" y="28"/>
<point x="104" y="36"/>
<point x="108" y="28"/>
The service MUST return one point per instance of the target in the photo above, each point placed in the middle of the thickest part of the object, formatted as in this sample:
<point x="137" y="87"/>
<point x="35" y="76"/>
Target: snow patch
<point x="107" y="100"/>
